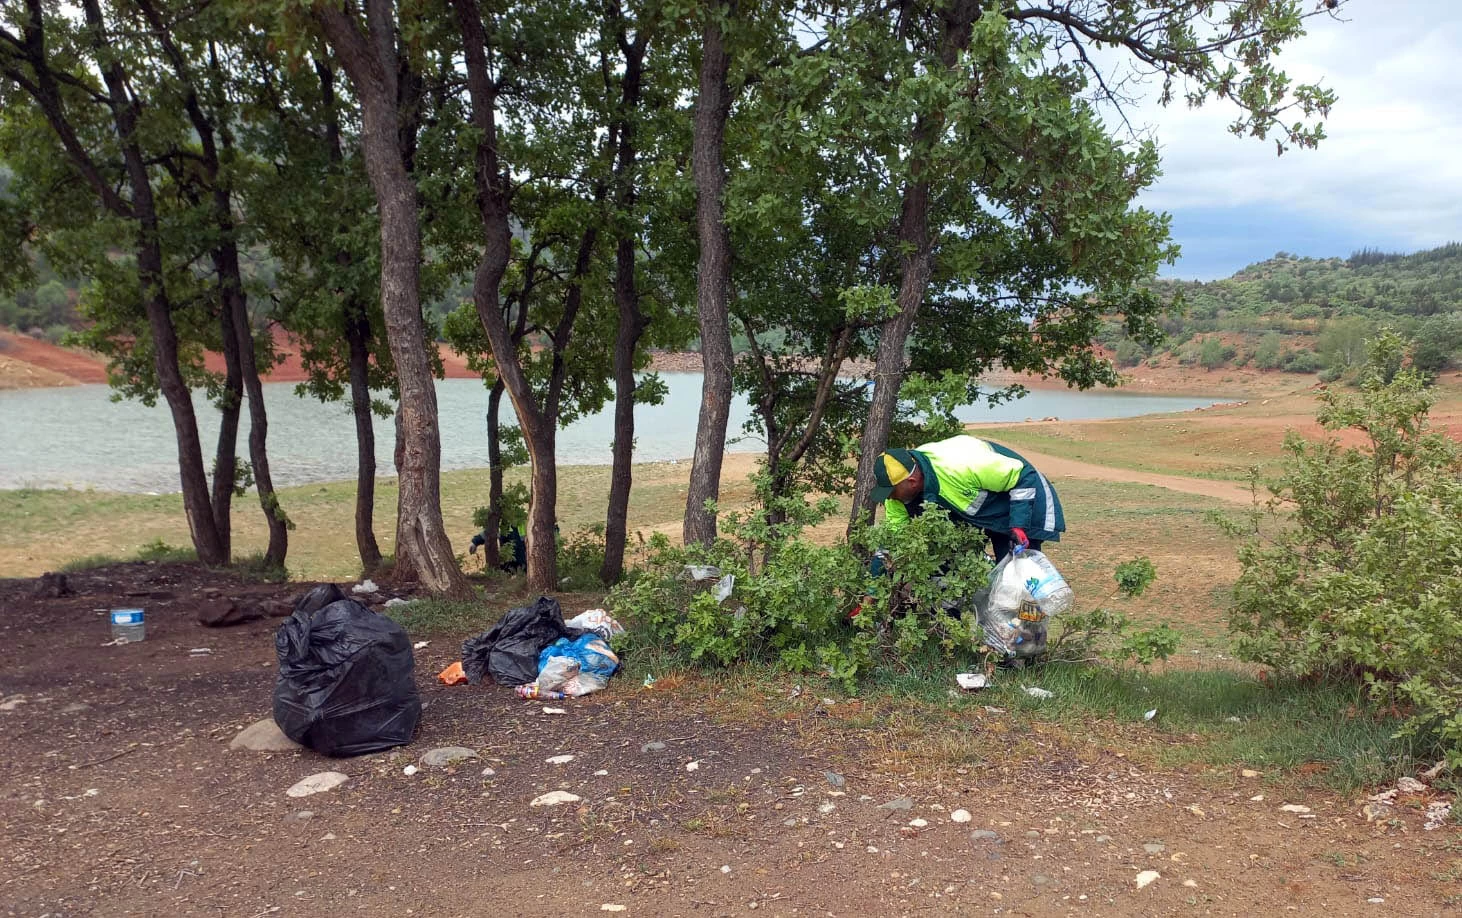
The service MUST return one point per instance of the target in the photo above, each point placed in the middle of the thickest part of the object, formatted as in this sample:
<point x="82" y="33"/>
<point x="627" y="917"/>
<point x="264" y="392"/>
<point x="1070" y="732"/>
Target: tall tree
<point x="368" y="51"/>
<point x="1220" y="50"/>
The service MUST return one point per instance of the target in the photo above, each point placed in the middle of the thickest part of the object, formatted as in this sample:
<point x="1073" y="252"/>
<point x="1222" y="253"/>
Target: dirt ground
<point x="121" y="797"/>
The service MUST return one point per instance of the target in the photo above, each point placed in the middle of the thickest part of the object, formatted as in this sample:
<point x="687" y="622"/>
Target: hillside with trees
<point x="1307" y="315"/>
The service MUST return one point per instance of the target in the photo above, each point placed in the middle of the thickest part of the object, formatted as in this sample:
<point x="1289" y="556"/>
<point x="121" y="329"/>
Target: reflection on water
<point x="76" y="437"/>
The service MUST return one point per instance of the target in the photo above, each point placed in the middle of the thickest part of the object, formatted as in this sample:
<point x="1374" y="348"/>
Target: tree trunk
<point x="202" y="527"/>
<point x="917" y="267"/>
<point x="713" y="281"/>
<point x="542" y="524"/>
<point x="491" y="557"/>
<point x="225" y="458"/>
<point x="357" y="334"/>
<point x="421" y="537"/>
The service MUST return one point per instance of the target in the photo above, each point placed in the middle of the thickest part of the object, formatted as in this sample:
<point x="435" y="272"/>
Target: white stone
<point x="961" y="816"/>
<point x="1146" y="877"/>
<point x="317" y="783"/>
<point x="554" y="798"/>
<point x="1294" y="808"/>
<point x="264" y="736"/>
<point x="559" y="759"/>
<point x="447" y="755"/>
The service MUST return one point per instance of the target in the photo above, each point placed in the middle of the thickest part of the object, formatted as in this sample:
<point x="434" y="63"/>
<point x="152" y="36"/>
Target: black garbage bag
<point x="346" y="681"/>
<point x="318" y="598"/>
<point x="508" y="652"/>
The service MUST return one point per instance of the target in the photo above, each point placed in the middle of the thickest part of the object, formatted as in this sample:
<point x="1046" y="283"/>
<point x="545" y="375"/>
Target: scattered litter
<point x="533" y="692"/>
<point x="419" y="645"/>
<point x="200" y="651"/>
<point x="509" y="652"/>
<point x="396" y="601"/>
<point x="317" y="783"/>
<point x="1150" y="714"/>
<point x="1146" y="877"/>
<point x="1375" y="900"/>
<point x="699" y="572"/>
<point x="598" y="621"/>
<point x="1036" y="692"/>
<point x="1409" y="785"/>
<point x="559" y="759"/>
<point x="972" y="681"/>
<point x="555" y="711"/>
<point x="410" y="770"/>
<point x="573" y="667"/>
<point x="365" y="586"/>
<point x="649" y="681"/>
<point x="724" y="586"/>
<point x="692" y="766"/>
<point x="1438" y="814"/>
<point x="1294" y="808"/>
<point x="555" y="798"/>
<point x="1233" y="720"/>
<point x="453" y="675"/>
<point x="961" y="816"/>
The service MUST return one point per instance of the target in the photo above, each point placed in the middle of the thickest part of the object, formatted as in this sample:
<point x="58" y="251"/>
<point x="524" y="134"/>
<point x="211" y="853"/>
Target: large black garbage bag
<point x="346" y="680"/>
<point x="508" y="652"/>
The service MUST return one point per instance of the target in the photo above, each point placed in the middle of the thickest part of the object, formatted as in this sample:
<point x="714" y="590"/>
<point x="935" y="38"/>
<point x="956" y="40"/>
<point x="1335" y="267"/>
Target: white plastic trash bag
<point x="1025" y="591"/>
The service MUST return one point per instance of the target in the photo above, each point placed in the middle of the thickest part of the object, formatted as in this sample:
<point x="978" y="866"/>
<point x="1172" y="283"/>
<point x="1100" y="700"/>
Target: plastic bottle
<point x="128" y="625"/>
<point x="1044" y="583"/>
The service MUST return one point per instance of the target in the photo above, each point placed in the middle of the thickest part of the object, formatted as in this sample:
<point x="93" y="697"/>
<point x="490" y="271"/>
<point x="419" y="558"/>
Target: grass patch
<point x="160" y="551"/>
<point x="90" y="562"/>
<point x="454" y="617"/>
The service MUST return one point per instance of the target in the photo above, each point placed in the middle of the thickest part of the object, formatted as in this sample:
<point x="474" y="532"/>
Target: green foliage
<point x="159" y="551"/>
<point x="1267" y="356"/>
<point x="580" y="558"/>
<point x="1213" y="353"/>
<point x="1351" y="569"/>
<point x="1101" y="634"/>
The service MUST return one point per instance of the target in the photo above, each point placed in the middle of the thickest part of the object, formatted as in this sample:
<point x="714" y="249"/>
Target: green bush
<point x="1352" y="569"/>
<point x="1267" y="354"/>
<point x="580" y="558"/>
<point x="1302" y="362"/>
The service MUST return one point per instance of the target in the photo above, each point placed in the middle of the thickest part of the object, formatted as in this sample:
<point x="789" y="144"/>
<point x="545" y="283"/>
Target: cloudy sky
<point x="1388" y="175"/>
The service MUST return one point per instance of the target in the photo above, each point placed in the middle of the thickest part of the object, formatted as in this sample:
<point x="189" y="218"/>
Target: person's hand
<point x="1020" y="537"/>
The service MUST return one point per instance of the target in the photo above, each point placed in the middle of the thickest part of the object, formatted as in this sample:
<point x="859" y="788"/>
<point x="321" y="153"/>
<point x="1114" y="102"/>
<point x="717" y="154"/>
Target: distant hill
<point x="1312" y="314"/>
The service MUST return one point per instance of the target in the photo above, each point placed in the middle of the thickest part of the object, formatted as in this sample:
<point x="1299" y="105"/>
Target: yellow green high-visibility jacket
<point x="982" y="484"/>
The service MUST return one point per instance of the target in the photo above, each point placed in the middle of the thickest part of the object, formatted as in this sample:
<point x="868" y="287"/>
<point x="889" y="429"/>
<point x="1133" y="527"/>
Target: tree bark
<point x="225" y="454"/>
<point x="357" y="335"/>
<point x="713" y="281"/>
<point x="491" y="557"/>
<point x="632" y="321"/>
<point x="421" y="537"/>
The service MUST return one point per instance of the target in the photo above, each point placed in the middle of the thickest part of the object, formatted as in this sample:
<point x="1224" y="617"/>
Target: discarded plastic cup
<point x="128" y="625"/>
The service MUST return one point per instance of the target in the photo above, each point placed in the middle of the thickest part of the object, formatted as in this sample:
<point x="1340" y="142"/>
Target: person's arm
<point x="1023" y="498"/>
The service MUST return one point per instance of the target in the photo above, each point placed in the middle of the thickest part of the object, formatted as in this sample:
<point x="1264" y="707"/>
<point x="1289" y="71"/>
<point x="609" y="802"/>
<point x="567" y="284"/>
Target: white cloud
<point x="1392" y="160"/>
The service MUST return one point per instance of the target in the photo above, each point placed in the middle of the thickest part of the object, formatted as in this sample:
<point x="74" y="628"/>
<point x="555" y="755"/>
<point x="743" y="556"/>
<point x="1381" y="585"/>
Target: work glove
<point x="1020" y="537"/>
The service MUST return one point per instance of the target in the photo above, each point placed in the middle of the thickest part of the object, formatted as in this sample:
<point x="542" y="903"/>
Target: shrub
<point x="1303" y="362"/>
<point x="1267" y="354"/>
<point x="580" y="558"/>
<point x="1358" y="577"/>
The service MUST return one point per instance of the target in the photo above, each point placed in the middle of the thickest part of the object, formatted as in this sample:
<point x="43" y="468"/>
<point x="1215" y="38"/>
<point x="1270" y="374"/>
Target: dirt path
<point x="120" y="797"/>
<point x="1055" y="467"/>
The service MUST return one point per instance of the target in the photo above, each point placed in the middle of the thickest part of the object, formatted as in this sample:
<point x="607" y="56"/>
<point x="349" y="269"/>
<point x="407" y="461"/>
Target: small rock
<point x="725" y="868"/>
<point x="317" y="783"/>
<point x="1249" y="773"/>
<point x="51" y="585"/>
<point x="300" y="816"/>
<point x="559" y="759"/>
<point x="224" y="613"/>
<point x="555" y="798"/>
<point x="1375" y="900"/>
<point x="488" y="772"/>
<point x="1103" y="839"/>
<point x="601" y="773"/>
<point x="1438" y="814"/>
<point x="555" y="711"/>
<point x="827" y="808"/>
<point x="918" y="823"/>
<point x="1409" y="785"/>
<point x="835" y="779"/>
<point x="692" y="766"/>
<point x="76" y="708"/>
<point x="611" y="907"/>
<point x="447" y="755"/>
<point x="264" y="736"/>
<point x="1146" y="877"/>
<point x="1191" y="884"/>
<point x="410" y="770"/>
<point x="1257" y="798"/>
<point x="396" y="601"/>
<point x="1154" y="847"/>
<point x="1294" y="808"/>
<point x="1040" y="879"/>
<point x="961" y="816"/>
<point x="789" y="823"/>
<point x="653" y="747"/>
<point x="896" y="804"/>
<point x="985" y="835"/>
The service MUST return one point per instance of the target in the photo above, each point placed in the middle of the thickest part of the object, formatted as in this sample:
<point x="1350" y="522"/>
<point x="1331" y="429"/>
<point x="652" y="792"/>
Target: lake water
<point x="75" y="437"/>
